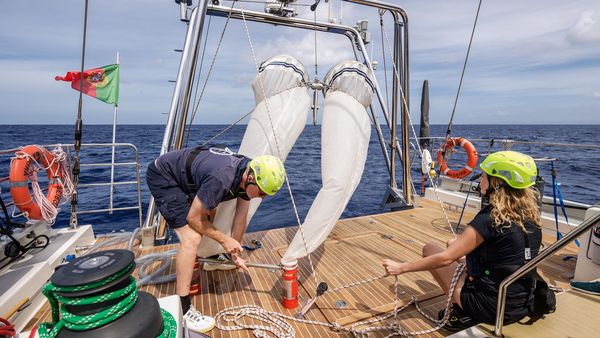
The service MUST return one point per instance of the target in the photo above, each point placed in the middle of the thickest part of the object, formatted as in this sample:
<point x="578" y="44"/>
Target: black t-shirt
<point x="215" y="173"/>
<point x="502" y="249"/>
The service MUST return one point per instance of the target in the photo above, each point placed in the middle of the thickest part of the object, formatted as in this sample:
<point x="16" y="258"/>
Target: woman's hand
<point x="392" y="267"/>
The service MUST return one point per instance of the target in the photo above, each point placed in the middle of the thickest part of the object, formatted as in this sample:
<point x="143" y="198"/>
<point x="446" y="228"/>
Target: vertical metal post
<point x="395" y="97"/>
<point x="112" y="162"/>
<point x="402" y="60"/>
<point x="78" y="126"/>
<point x="181" y="95"/>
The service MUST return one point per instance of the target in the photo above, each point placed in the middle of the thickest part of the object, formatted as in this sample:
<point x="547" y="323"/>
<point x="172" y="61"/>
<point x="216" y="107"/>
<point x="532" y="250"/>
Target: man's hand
<point x="232" y="246"/>
<point x="239" y="261"/>
<point x="392" y="267"/>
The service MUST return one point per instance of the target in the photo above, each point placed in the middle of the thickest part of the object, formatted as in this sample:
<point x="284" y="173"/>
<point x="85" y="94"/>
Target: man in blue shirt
<point x="187" y="186"/>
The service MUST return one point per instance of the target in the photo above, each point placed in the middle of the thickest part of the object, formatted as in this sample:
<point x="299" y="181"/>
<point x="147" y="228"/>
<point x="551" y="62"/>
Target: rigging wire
<point x="449" y="130"/>
<point x="405" y="104"/>
<point x="79" y="124"/>
<point x="315" y="29"/>
<point x="211" y="67"/>
<point x="187" y="135"/>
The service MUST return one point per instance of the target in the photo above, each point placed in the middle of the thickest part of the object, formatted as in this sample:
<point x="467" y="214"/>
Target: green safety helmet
<point x="516" y="169"/>
<point x="268" y="173"/>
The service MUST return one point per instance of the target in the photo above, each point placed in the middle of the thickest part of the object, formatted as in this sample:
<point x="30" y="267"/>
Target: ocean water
<point x="577" y="168"/>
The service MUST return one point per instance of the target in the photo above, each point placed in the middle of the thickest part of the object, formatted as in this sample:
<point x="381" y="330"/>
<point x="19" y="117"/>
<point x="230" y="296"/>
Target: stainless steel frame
<point x="181" y="95"/>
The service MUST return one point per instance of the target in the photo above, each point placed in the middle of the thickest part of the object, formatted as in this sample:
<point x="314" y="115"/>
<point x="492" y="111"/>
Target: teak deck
<point x="353" y="252"/>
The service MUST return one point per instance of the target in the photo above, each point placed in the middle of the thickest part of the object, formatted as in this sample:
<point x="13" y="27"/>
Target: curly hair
<point x="513" y="205"/>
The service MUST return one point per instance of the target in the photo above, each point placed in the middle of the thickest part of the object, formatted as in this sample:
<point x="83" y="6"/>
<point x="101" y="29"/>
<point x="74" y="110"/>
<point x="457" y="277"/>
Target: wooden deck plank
<point x="353" y="252"/>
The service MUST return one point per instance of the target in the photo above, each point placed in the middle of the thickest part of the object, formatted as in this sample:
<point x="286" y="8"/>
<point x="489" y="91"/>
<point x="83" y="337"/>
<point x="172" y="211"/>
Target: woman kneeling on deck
<point x="500" y="239"/>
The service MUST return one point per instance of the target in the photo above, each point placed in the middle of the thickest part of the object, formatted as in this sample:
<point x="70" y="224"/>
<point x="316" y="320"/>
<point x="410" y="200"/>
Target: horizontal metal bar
<point x="95" y="211"/>
<point x="70" y="145"/>
<point x="105" y="184"/>
<point x="503" y="141"/>
<point x="236" y="13"/>
<point x="248" y="264"/>
<point x="107" y="164"/>
<point x="570" y="236"/>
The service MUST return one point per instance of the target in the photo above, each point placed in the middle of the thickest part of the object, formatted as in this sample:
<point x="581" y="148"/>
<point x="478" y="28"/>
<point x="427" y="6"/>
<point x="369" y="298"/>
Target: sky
<point x="532" y="62"/>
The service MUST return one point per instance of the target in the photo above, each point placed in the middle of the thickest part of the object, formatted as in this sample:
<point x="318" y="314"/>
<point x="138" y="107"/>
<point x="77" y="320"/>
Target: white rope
<point x="47" y="209"/>
<point x="287" y="181"/>
<point x="433" y="184"/>
<point x="63" y="175"/>
<point x="232" y="318"/>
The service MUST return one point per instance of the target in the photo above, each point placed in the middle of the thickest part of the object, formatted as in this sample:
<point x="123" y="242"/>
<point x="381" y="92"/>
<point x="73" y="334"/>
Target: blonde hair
<point x="513" y="205"/>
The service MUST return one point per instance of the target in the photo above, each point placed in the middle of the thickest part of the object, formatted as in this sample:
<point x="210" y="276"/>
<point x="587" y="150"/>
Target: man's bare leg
<point x="185" y="258"/>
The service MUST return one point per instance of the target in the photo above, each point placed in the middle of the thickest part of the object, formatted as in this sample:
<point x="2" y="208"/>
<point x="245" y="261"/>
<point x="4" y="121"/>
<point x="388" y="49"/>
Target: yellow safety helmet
<point x="269" y="173"/>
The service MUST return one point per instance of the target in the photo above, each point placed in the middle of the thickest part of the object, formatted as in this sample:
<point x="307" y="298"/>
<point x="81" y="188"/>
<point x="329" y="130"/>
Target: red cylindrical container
<point x="290" y="286"/>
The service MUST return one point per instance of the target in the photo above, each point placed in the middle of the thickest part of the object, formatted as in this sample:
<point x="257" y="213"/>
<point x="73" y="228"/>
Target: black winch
<point x="99" y="299"/>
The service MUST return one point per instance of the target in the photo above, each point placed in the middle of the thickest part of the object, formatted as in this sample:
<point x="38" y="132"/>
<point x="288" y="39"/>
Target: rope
<point x="59" y="157"/>
<point x="287" y="181"/>
<point x="402" y="94"/>
<point x="63" y="175"/>
<point x="7" y="329"/>
<point x="61" y="317"/>
<point x="236" y="317"/>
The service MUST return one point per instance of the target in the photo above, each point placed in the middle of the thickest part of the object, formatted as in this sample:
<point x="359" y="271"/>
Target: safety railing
<point x="133" y="161"/>
<point x="112" y="184"/>
<point x="572" y="235"/>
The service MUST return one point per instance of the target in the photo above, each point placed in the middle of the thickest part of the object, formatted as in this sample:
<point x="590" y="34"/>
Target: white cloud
<point x="528" y="57"/>
<point x="586" y="29"/>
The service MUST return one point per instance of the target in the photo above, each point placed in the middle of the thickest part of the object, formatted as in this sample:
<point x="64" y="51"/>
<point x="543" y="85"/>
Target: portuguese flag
<point x="101" y="83"/>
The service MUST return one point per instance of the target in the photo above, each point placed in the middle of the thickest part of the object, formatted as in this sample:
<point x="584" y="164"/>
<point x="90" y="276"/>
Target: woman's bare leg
<point x="443" y="275"/>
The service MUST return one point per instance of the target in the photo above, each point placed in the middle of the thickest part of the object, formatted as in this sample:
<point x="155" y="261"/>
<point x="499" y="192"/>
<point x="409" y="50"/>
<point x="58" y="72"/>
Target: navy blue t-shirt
<point x="215" y="173"/>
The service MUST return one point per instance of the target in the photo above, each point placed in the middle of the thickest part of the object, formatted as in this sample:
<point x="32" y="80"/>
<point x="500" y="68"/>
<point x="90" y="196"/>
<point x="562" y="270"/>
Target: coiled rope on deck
<point x="61" y="317"/>
<point x="232" y="318"/>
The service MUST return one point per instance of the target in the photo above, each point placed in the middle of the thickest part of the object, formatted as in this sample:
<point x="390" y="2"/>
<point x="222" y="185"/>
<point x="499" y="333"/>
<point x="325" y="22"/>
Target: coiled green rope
<point x="61" y="317"/>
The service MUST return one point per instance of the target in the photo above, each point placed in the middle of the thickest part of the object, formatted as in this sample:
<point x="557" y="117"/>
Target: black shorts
<point x="480" y="297"/>
<point x="172" y="202"/>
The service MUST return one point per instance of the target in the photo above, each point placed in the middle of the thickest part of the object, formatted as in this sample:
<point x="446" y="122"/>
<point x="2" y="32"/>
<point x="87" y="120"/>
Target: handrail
<point x="573" y="234"/>
<point x="509" y="141"/>
<point x="135" y="163"/>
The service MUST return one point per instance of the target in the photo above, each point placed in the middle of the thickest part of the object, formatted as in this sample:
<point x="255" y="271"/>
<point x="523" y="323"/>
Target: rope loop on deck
<point x="274" y="323"/>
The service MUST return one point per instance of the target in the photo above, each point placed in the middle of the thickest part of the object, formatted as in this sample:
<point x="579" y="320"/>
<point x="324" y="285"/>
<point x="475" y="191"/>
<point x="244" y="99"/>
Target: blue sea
<point x="577" y="168"/>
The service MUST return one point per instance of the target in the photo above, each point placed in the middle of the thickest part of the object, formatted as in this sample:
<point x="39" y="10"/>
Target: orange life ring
<point x="20" y="170"/>
<point x="471" y="160"/>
